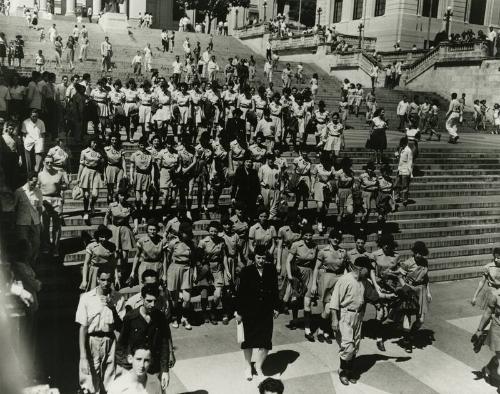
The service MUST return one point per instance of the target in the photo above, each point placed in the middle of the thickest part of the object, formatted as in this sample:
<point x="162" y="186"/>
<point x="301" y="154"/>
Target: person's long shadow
<point x="277" y="363"/>
<point x="365" y="362"/>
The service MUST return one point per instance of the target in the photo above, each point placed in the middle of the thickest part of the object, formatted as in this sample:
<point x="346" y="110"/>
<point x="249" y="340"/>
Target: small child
<point x="42" y="34"/>
<point x="40" y="61"/>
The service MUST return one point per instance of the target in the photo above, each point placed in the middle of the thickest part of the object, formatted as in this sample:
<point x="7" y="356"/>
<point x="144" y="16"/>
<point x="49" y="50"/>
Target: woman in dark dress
<point x="257" y="303"/>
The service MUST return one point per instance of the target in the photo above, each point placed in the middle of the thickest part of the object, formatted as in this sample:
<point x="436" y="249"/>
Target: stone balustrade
<point x="250" y="31"/>
<point x="315" y="40"/>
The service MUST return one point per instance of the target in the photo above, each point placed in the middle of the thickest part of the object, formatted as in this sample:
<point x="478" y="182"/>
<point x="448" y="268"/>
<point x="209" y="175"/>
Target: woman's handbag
<point x="240" y="333"/>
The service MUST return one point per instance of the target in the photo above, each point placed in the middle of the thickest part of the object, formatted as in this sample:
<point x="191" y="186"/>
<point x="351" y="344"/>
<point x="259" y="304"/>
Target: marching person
<point x="99" y="313"/>
<point x="271" y="185"/>
<point x="322" y="187"/>
<point x="345" y="183"/>
<point x="489" y="283"/>
<point x="405" y="171"/>
<point x="257" y="303"/>
<point x="452" y="119"/>
<point x="300" y="264"/>
<point x="141" y="176"/>
<point x="348" y="308"/>
<point x="90" y="177"/>
<point x="331" y="264"/>
<point x="262" y="233"/>
<point x="117" y="219"/>
<point x="116" y="168"/>
<point x="369" y="186"/>
<point x="181" y="260"/>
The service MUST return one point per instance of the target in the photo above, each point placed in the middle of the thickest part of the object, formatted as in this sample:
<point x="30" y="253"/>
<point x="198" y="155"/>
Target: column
<point x="43" y="5"/>
<point x="70" y="7"/>
<point x="96" y="6"/>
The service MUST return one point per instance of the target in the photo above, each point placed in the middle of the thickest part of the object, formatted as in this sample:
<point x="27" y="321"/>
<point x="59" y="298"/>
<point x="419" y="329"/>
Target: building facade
<point x="407" y="21"/>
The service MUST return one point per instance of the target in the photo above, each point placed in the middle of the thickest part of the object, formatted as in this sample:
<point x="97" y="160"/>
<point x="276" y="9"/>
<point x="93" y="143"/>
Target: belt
<point x="100" y="102"/>
<point x="115" y="164"/>
<point x="145" y="105"/>
<point x="320" y="122"/>
<point x="131" y="102"/>
<point x="117" y="104"/>
<point x="185" y="105"/>
<point x="334" y="272"/>
<point x="145" y="172"/>
<point x="238" y="158"/>
<point x="101" y="334"/>
<point x="261" y="108"/>
<point x="91" y="168"/>
<point x="150" y="261"/>
<point x="270" y="188"/>
<point x="353" y="310"/>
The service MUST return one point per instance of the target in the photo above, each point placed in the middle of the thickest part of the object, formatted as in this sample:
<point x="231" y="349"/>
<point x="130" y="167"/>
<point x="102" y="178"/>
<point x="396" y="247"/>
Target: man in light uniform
<point x="348" y="306"/>
<point x="99" y="313"/>
<point x="270" y="177"/>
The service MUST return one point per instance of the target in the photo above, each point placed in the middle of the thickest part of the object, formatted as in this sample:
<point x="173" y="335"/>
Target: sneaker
<point x="175" y="324"/>
<point x="188" y="215"/>
<point x="186" y="324"/>
<point x="248" y="374"/>
<point x="225" y="320"/>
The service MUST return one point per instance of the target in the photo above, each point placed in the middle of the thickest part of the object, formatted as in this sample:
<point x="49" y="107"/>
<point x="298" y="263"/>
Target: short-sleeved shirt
<point x="240" y="227"/>
<point x="261" y="235"/>
<point x="90" y="158"/>
<point x="168" y="160"/>
<point x="120" y="215"/>
<point x="270" y="177"/>
<point x="333" y="260"/>
<point x="384" y="263"/>
<point x="232" y="242"/>
<point x="322" y="174"/>
<point x="180" y="251"/>
<point x="353" y="254"/>
<point x="492" y="274"/>
<point x="348" y="293"/>
<point x="304" y="256"/>
<point x="50" y="184"/>
<point x="152" y="251"/>
<point x="59" y="156"/>
<point x="302" y="166"/>
<point x="142" y="160"/>
<point x="114" y="157"/>
<point x="32" y="132"/>
<point x="213" y="250"/>
<point x="93" y="313"/>
<point x="101" y="254"/>
<point x="258" y="152"/>
<point x="288" y="236"/>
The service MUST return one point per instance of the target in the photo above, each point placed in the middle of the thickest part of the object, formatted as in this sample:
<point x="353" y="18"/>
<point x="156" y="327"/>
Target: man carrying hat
<point x="348" y="306"/>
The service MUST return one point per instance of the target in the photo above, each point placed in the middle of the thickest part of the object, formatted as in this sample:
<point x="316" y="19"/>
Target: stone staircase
<point x="456" y="209"/>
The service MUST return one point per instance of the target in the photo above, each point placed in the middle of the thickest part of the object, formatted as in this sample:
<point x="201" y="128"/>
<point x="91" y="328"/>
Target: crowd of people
<point x="200" y="136"/>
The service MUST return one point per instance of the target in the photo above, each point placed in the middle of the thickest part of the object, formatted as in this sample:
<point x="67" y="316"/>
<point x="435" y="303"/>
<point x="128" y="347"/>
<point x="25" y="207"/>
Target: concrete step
<point x="455" y="274"/>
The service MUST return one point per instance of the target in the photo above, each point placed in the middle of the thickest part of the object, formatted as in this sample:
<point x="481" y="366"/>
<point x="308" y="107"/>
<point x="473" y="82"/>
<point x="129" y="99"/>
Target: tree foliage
<point x="213" y="8"/>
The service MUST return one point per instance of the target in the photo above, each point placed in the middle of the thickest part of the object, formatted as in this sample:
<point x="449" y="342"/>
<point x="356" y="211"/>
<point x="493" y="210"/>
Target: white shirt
<point x="492" y="35"/>
<point x="176" y="67"/>
<point x="125" y="384"/>
<point x="402" y="108"/>
<point x="405" y="166"/>
<point x="32" y="132"/>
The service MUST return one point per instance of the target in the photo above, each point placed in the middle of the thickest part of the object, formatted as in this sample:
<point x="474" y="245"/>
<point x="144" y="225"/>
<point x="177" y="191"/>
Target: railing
<point x="251" y="31"/>
<point x="444" y="50"/>
<point x="315" y="40"/>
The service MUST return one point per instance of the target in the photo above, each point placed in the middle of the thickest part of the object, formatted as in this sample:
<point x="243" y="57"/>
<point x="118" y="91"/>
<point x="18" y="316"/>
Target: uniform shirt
<point x="167" y="159"/>
<point x="285" y="74"/>
<point x="412" y="133"/>
<point x="237" y="152"/>
<point x="455" y="106"/>
<point x="232" y="242"/>
<point x="491" y="272"/>
<point x="32" y="132"/>
<point x="304" y="256"/>
<point x="240" y="227"/>
<point x="114" y="157"/>
<point x="152" y="252"/>
<point x="353" y="254"/>
<point x="142" y="160"/>
<point x="348" y="293"/>
<point x="28" y="205"/>
<point x="288" y="236"/>
<point x="125" y="385"/>
<point x="261" y="235"/>
<point x="270" y="177"/>
<point x="302" y="166"/>
<point x="384" y="264"/>
<point x="385" y="185"/>
<point x="93" y="313"/>
<point x="321" y="174"/>
<point x="267" y="127"/>
<point x="333" y="260"/>
<point x="321" y="116"/>
<point x="368" y="182"/>
<point x="258" y="152"/>
<point x="344" y="180"/>
<point x="180" y="252"/>
<point x="116" y="97"/>
<point x="213" y="251"/>
<point x="131" y="96"/>
<point x="405" y="166"/>
<point x="298" y="110"/>
<point x="120" y="215"/>
<point x="275" y="109"/>
<point x="145" y="98"/>
<point x="101" y="254"/>
<point x="90" y="158"/>
<point x="106" y="48"/>
<point x="260" y="103"/>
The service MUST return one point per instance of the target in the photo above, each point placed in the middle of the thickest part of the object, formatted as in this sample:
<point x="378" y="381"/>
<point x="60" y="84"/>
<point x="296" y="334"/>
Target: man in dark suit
<point x="246" y="186"/>
<point x="235" y="129"/>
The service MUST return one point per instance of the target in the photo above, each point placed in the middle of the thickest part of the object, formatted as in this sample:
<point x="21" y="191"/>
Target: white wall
<point x="135" y="7"/>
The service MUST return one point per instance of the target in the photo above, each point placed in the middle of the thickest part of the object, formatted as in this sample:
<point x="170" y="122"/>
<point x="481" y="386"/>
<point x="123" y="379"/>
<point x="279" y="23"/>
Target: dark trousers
<point x="402" y="122"/>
